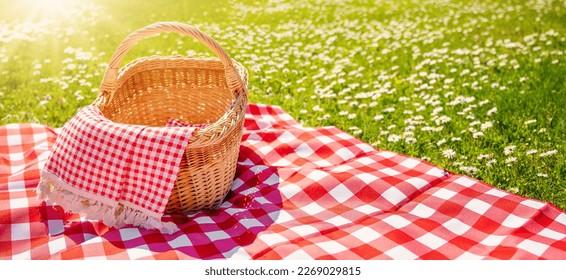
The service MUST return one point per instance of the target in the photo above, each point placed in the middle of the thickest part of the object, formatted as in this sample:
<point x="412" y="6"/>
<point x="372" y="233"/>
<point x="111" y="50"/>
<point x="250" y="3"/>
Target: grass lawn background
<point x="476" y="87"/>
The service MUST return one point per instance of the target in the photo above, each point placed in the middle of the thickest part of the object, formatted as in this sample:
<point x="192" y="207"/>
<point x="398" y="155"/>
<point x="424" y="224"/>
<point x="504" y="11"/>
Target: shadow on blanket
<point x="250" y="207"/>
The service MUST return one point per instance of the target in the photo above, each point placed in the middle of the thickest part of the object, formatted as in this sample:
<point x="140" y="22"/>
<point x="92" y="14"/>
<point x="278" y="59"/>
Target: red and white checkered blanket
<point x="300" y="193"/>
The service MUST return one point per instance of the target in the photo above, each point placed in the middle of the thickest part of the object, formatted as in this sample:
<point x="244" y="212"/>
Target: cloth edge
<point x="111" y="213"/>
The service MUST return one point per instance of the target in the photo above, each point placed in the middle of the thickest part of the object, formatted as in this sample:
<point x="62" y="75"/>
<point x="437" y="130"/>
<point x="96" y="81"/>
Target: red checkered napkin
<point x="172" y="122"/>
<point x="118" y="173"/>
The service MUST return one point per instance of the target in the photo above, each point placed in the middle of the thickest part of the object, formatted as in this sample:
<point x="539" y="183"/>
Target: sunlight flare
<point x="47" y="9"/>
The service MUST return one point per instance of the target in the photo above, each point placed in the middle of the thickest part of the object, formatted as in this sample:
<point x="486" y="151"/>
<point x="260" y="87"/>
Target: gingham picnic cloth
<point x="117" y="173"/>
<point x="299" y="193"/>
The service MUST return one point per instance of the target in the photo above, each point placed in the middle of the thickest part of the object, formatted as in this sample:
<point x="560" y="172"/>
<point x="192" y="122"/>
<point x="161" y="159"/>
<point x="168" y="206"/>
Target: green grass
<point x="476" y="87"/>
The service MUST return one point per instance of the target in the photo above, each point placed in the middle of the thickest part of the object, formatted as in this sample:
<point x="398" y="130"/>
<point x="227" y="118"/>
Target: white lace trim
<point x="111" y="213"/>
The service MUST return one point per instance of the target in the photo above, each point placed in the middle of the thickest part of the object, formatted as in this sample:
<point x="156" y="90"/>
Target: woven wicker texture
<point x="152" y="90"/>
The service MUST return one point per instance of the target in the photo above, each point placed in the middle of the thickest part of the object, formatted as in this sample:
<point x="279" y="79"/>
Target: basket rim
<point x="151" y="58"/>
<point x="212" y="133"/>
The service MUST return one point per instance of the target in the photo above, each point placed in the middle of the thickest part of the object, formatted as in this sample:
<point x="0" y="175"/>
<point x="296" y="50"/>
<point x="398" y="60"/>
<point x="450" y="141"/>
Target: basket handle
<point x="110" y="80"/>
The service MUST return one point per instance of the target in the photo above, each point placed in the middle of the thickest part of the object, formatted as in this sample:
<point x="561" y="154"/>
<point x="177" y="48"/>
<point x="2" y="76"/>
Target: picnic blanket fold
<point x="117" y="173"/>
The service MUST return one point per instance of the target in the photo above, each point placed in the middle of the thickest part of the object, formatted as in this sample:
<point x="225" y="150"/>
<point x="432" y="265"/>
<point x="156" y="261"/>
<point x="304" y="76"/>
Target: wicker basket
<point x="151" y="90"/>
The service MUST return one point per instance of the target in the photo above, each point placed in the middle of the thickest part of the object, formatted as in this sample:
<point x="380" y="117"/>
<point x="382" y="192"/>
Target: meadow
<point x="476" y="87"/>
